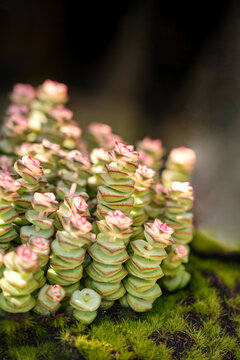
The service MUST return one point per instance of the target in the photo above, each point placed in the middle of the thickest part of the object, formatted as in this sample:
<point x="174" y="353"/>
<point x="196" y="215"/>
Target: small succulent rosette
<point x="108" y="254"/>
<point x="18" y="281"/>
<point x="41" y="216"/>
<point x="143" y="178"/>
<point x="23" y="94"/>
<point x="75" y="204"/>
<point x="179" y="202"/>
<point x="151" y="152"/>
<point x="29" y="169"/>
<point x="101" y="136"/>
<point x="53" y="92"/>
<point x="60" y="114"/>
<point x="8" y="194"/>
<point x="144" y="266"/>
<point x="41" y="247"/>
<point x="156" y="207"/>
<point x="74" y="174"/>
<point x="71" y="136"/>
<point x="68" y="252"/>
<point x="118" y="184"/>
<point x="48" y="154"/>
<point x="14" y="131"/>
<point x="85" y="304"/>
<point x="176" y="277"/>
<point x="49" y="298"/>
<point x="179" y="166"/>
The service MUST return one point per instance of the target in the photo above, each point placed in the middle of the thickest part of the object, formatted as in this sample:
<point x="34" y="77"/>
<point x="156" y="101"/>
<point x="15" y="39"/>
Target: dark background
<point x="169" y="69"/>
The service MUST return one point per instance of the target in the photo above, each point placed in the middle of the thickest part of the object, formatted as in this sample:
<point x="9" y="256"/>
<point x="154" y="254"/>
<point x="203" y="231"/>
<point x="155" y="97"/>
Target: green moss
<point x="122" y="334"/>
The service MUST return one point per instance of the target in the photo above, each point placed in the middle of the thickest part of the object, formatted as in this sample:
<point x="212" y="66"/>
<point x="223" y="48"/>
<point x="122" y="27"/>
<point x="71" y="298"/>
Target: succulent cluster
<point x="86" y="223"/>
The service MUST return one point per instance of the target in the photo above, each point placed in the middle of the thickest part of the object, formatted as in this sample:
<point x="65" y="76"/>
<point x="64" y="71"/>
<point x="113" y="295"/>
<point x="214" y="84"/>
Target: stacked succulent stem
<point x="151" y="152"/>
<point x="32" y="180"/>
<point x="85" y="304"/>
<point x="144" y="266"/>
<point x="36" y="236"/>
<point x="41" y="216"/>
<point x="41" y="246"/>
<point x="155" y="209"/>
<point x="18" y="281"/>
<point x="108" y="254"/>
<point x="8" y="194"/>
<point x="116" y="193"/>
<point x="69" y="247"/>
<point x="143" y="179"/>
<point x="179" y="202"/>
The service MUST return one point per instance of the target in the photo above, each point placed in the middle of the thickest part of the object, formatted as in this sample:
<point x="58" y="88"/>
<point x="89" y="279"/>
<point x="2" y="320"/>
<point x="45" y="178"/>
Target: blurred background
<point x="167" y="69"/>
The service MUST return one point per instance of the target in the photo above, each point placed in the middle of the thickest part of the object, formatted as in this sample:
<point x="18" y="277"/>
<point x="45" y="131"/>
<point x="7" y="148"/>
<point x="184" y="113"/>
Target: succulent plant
<point x="179" y="166"/>
<point x="179" y="202"/>
<point x="116" y="193"/>
<point x="85" y="304"/>
<point x="18" y="281"/>
<point x="68" y="251"/>
<point x="143" y="179"/>
<point x="49" y="298"/>
<point x="8" y="194"/>
<point x="144" y="266"/>
<point x="108" y="254"/>
<point x="80" y="216"/>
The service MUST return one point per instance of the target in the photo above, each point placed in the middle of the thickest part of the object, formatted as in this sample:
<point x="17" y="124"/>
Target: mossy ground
<point x="200" y="322"/>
